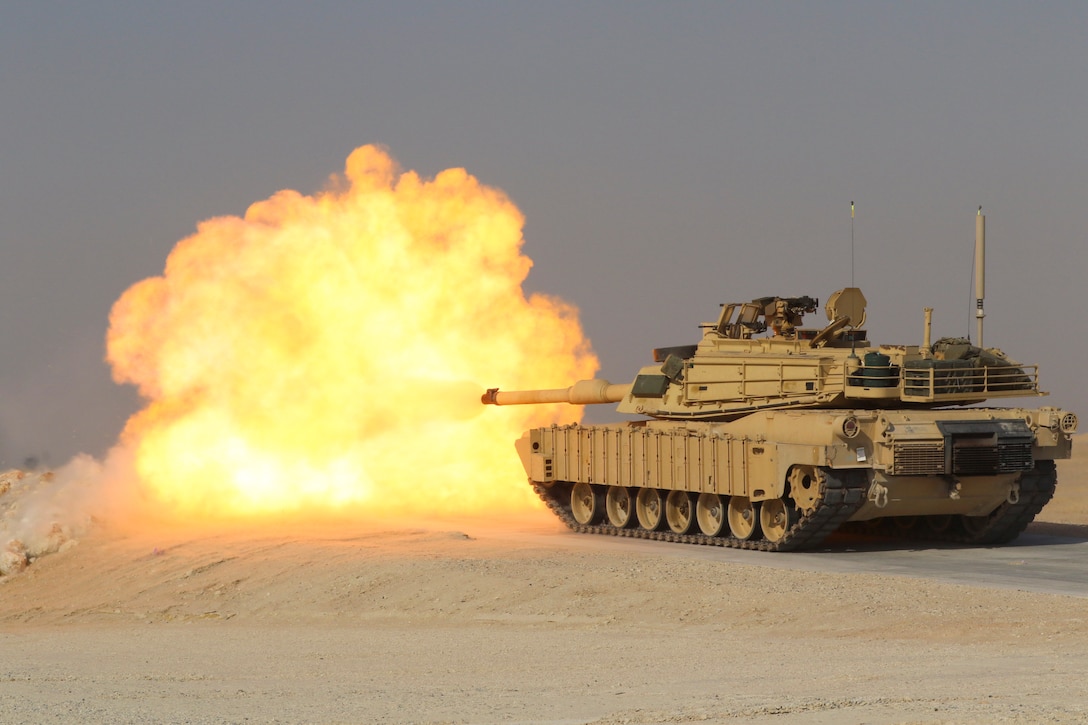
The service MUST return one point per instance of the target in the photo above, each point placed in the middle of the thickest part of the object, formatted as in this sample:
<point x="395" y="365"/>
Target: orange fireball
<point x="329" y="351"/>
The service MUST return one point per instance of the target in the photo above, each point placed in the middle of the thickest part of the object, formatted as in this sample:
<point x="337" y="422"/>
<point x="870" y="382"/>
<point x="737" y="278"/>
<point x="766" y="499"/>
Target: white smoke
<point x="43" y="512"/>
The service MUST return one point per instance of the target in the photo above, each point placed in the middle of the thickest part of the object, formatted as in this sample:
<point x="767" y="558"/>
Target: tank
<point x="770" y="435"/>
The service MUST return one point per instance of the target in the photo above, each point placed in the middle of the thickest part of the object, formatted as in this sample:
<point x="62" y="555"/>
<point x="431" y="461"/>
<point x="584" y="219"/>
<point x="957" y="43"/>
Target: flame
<point x="327" y="352"/>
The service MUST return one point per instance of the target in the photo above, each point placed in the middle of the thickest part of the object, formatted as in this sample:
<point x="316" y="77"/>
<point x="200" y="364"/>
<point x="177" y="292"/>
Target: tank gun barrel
<point x="583" y="392"/>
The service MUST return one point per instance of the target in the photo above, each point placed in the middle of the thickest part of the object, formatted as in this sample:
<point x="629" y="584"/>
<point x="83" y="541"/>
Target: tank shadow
<point x="1036" y="534"/>
<point x="1065" y="531"/>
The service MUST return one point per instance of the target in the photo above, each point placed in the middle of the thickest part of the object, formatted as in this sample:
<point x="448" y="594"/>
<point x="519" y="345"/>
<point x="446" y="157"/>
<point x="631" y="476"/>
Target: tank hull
<point x="787" y="480"/>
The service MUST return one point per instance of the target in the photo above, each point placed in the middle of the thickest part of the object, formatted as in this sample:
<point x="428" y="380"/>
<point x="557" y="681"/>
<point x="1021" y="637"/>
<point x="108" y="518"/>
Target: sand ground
<point x="467" y="622"/>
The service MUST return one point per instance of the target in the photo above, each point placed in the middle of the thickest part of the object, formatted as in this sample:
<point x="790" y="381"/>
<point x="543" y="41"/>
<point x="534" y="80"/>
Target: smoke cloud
<point x="324" y="353"/>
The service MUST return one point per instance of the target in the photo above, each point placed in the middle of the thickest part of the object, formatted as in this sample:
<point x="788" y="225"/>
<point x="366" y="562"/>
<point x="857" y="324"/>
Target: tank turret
<point x="759" y="356"/>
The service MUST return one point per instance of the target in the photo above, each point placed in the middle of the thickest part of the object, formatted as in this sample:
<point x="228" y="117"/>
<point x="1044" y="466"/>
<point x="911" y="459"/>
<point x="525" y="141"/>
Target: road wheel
<point x="905" y="524"/>
<point x="975" y="527"/>
<point x="619" y="506"/>
<point x="680" y="511"/>
<point x="710" y="512"/>
<point x="650" y="509"/>
<point x="586" y="504"/>
<point x="939" y="523"/>
<point x="777" y="518"/>
<point x="743" y="518"/>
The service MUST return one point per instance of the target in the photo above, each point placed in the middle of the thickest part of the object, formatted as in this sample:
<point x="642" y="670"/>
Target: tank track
<point x="843" y="494"/>
<point x="1000" y="527"/>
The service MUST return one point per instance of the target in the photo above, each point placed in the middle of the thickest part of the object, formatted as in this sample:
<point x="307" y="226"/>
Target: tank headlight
<point x="1068" y="423"/>
<point x="847" y="426"/>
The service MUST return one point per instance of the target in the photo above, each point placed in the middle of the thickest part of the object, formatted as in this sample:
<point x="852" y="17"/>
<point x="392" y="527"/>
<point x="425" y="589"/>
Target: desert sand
<point x="519" y="621"/>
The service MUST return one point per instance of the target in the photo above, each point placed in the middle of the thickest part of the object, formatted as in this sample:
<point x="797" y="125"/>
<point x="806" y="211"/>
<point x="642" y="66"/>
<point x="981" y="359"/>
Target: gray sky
<point x="667" y="156"/>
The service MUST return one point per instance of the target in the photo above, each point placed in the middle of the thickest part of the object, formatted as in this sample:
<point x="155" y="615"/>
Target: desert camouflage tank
<point x="770" y="435"/>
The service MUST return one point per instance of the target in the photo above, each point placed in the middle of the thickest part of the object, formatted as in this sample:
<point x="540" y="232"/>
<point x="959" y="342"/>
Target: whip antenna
<point x="980" y="270"/>
<point x="853" y="324"/>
